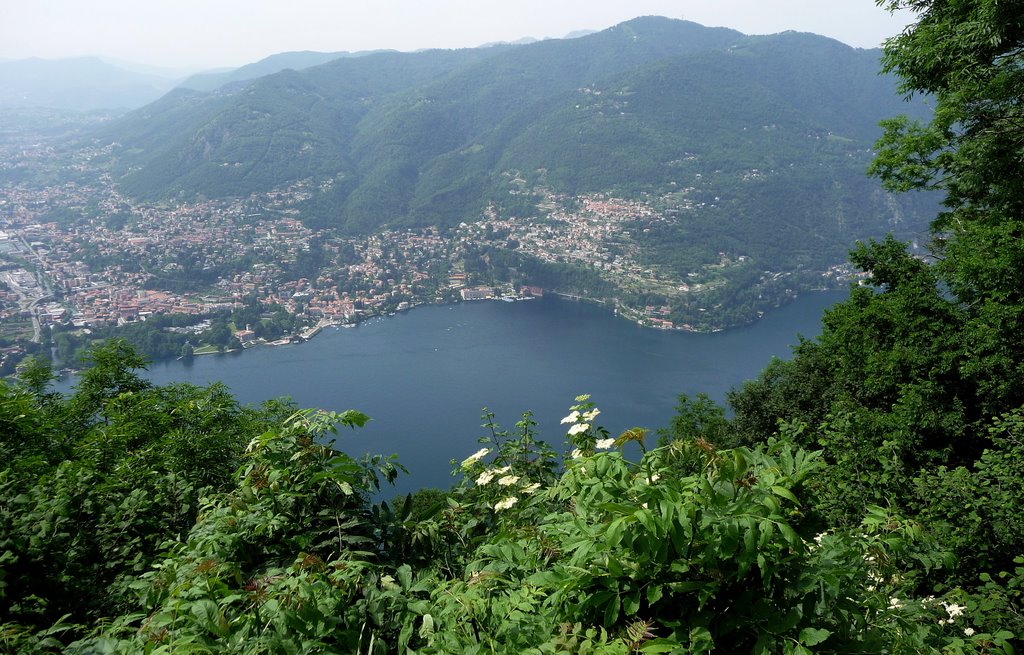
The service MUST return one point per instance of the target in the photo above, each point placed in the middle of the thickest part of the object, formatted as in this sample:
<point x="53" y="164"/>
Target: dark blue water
<point x="424" y="376"/>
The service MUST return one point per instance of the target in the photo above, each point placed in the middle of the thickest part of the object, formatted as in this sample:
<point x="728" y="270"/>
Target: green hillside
<point x="751" y="150"/>
<point x="423" y="138"/>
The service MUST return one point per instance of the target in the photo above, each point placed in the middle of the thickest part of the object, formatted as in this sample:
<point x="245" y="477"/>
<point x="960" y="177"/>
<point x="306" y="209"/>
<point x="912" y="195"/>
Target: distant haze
<point x="189" y="35"/>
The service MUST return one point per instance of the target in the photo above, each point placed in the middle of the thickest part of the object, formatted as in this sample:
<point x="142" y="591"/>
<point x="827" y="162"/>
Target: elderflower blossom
<point x="508" y="480"/>
<point x="475" y="457"/>
<point x="579" y="428"/>
<point x="576" y="453"/>
<point x="571" y="418"/>
<point x="485" y="477"/>
<point x="953" y="609"/>
<point x="969" y="632"/>
<point x="605" y="443"/>
<point x="505" y="504"/>
<point x="591" y="415"/>
<point x="530" y="488"/>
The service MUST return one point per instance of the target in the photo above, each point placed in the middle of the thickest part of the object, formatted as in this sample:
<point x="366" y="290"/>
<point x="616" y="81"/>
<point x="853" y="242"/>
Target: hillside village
<point x="79" y="255"/>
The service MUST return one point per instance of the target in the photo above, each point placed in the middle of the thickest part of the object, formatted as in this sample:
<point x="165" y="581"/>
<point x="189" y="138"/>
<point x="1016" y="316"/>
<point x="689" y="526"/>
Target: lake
<point x="423" y="376"/>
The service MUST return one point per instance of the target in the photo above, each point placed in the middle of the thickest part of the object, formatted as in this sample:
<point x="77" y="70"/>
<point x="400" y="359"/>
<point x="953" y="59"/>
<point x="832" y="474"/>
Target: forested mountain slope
<point x="423" y="138"/>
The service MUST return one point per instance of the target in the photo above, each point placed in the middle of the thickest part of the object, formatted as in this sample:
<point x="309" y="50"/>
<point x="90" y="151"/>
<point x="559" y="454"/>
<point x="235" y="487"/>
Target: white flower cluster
<point x="575" y="415"/>
<point x="581" y="421"/>
<point x="873" y="577"/>
<point x="953" y="611"/>
<point x="579" y="428"/>
<point x="812" y="545"/>
<point x="475" y="457"/>
<point x="490" y="474"/>
<point x="503" y="476"/>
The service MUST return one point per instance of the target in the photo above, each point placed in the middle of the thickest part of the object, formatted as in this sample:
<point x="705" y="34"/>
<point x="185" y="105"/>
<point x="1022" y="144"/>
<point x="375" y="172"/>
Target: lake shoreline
<point x="615" y="308"/>
<point x="424" y="376"/>
<point x="309" y="333"/>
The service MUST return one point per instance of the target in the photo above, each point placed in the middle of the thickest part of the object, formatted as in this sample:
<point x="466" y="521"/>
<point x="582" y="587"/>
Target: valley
<point x="116" y="263"/>
<point x="691" y="178"/>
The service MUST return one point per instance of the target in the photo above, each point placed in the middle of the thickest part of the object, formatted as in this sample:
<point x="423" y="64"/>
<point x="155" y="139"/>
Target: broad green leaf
<point x="611" y="611"/>
<point x="353" y="418"/>
<point x="789" y="535"/>
<point x="813" y="636"/>
<point x="785" y="493"/>
<point x="631" y="603"/>
<point x="659" y="646"/>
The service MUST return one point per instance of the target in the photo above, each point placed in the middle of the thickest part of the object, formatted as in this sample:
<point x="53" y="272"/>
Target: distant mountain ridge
<point x="267" y="66"/>
<point x="182" y="140"/>
<point x="79" y="84"/>
<point x="768" y="135"/>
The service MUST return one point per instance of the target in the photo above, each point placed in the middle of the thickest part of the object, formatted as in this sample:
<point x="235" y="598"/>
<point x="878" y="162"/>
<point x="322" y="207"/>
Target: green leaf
<point x="767" y="530"/>
<point x="616" y="508"/>
<point x="813" y="636"/>
<point x="631" y="605"/>
<point x="686" y="586"/>
<point x="404" y="574"/>
<point x="353" y="418"/>
<point x="740" y="463"/>
<point x="750" y="537"/>
<point x="659" y="646"/>
<point x="646" y="519"/>
<point x="207" y="615"/>
<point x="785" y="493"/>
<point x="613" y="535"/>
<point x="611" y="611"/>
<point x="790" y="535"/>
<point x="614" y="566"/>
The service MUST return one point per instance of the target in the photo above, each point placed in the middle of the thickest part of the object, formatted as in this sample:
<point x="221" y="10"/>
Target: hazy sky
<point x="213" y="33"/>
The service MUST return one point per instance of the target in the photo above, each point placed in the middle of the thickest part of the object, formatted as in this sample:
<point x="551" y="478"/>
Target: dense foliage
<point x="686" y="549"/>
<point x="914" y="392"/>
